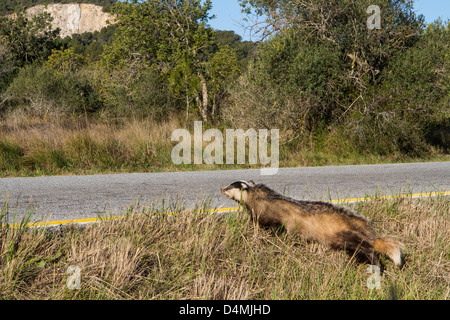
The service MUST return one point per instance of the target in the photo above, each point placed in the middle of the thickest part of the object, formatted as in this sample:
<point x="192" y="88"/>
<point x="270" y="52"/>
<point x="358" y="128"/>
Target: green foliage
<point x="27" y="39"/>
<point x="322" y="70"/>
<point x="151" y="97"/>
<point x="410" y="99"/>
<point x="290" y="86"/>
<point x="221" y="69"/>
<point x="423" y="70"/>
<point x="145" y="94"/>
<point x="340" y="26"/>
<point x="90" y="44"/>
<point x="9" y="154"/>
<point x="244" y="49"/>
<point x="173" y="39"/>
<point x="41" y="90"/>
<point x="415" y="92"/>
<point x="65" y="61"/>
<point x="23" y="41"/>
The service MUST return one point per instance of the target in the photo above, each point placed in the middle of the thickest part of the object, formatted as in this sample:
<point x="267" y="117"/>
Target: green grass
<point x="193" y="255"/>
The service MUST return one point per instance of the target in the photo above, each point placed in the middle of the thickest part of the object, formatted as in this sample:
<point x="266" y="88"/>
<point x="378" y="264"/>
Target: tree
<point x="342" y="24"/>
<point x="24" y="40"/>
<point x="65" y="61"/>
<point x="245" y="50"/>
<point x="27" y="39"/>
<point x="415" y="90"/>
<point x="222" y="67"/>
<point x="171" y="36"/>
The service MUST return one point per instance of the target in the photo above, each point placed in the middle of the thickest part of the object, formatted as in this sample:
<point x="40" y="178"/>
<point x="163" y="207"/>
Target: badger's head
<point x="238" y="190"/>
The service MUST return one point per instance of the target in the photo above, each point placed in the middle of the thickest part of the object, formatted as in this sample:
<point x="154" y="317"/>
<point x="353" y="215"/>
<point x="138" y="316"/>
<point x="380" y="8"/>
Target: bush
<point x="135" y="90"/>
<point x="151" y="97"/>
<point x="41" y="90"/>
<point x="289" y="87"/>
<point x="304" y="86"/>
<point x="410" y="101"/>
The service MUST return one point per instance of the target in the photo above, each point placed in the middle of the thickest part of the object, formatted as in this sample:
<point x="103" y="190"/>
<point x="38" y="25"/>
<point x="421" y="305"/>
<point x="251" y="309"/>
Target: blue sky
<point x="229" y="16"/>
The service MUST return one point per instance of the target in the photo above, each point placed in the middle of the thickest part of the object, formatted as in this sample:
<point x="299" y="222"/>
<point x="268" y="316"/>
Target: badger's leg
<point x="355" y="245"/>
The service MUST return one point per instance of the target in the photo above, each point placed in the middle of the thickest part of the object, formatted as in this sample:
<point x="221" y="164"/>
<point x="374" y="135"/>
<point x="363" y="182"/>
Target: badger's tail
<point x="390" y="246"/>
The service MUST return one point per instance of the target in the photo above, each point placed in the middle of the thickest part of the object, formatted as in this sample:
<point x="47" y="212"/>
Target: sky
<point x="229" y="16"/>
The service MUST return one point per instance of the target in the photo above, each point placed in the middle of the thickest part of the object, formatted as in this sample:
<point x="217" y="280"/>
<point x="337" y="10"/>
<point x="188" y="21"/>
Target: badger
<point x="336" y="227"/>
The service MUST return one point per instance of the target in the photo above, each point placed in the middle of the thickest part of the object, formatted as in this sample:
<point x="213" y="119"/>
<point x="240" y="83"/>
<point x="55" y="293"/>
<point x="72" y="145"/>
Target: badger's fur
<point x="334" y="226"/>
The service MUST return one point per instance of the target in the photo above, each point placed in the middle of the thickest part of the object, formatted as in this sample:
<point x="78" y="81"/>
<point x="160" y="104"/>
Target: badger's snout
<point x="236" y="191"/>
<point x="225" y="192"/>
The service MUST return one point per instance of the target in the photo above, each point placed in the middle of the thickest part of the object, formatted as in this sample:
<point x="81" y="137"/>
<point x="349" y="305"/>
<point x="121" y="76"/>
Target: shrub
<point x="290" y="87"/>
<point x="410" y="100"/>
<point x="40" y="90"/>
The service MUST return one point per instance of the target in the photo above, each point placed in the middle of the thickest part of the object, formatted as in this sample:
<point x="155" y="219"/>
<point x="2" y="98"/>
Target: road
<point x="80" y="197"/>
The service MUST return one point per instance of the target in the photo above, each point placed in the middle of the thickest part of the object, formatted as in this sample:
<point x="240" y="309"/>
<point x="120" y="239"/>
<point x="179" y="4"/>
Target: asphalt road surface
<point x="79" y="197"/>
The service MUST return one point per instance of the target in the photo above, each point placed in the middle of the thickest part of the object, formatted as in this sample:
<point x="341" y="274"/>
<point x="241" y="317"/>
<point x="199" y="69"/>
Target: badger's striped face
<point x="238" y="190"/>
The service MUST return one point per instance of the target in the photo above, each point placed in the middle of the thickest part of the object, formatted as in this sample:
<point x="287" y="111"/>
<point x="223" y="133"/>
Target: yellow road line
<point x="350" y="200"/>
<point x="415" y="195"/>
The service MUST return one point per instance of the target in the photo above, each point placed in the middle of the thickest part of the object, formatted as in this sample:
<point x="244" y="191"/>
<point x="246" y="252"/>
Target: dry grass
<point x="223" y="256"/>
<point x="74" y="146"/>
<point x="64" y="145"/>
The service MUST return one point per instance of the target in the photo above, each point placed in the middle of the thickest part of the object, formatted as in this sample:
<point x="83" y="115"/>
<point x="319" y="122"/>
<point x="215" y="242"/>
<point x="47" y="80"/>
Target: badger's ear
<point x="244" y="185"/>
<point x="251" y="183"/>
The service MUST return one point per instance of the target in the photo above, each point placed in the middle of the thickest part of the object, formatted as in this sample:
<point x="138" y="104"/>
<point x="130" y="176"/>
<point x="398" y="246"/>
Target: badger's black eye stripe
<point x="238" y="185"/>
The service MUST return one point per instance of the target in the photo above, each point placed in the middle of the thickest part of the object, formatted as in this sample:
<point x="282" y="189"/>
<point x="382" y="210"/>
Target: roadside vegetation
<point x="108" y="101"/>
<point x="36" y="147"/>
<point x="150" y="254"/>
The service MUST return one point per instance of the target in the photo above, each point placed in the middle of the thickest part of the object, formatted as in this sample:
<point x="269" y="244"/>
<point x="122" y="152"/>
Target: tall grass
<point x="77" y="145"/>
<point x="194" y="255"/>
<point x="64" y="145"/>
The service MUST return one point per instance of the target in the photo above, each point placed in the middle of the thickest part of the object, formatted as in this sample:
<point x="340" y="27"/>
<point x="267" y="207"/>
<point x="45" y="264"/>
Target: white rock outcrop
<point x="74" y="17"/>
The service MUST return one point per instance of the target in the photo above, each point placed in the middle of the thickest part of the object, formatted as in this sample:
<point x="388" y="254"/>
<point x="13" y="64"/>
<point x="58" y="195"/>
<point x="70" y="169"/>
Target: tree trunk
<point x="204" y="105"/>
<point x="213" y="111"/>
<point x="187" y="104"/>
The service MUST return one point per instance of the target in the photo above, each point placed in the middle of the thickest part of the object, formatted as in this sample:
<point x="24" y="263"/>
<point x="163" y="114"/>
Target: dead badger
<point x="336" y="227"/>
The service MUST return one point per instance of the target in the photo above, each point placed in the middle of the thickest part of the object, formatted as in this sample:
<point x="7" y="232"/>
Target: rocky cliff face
<point x="75" y="17"/>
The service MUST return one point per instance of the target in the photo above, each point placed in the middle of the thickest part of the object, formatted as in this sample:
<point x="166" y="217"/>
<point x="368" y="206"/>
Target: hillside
<point x="10" y="6"/>
<point x="71" y="18"/>
<point x="74" y="18"/>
